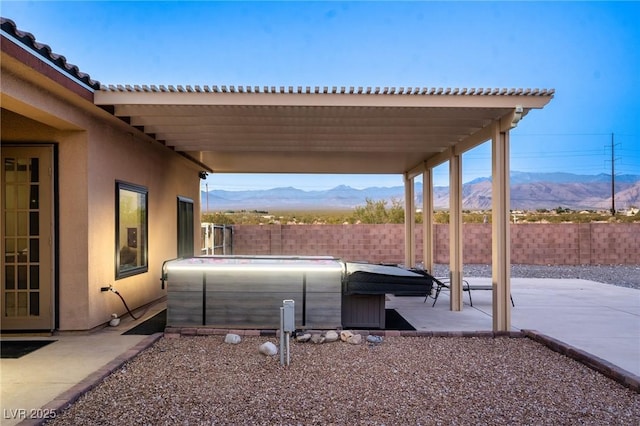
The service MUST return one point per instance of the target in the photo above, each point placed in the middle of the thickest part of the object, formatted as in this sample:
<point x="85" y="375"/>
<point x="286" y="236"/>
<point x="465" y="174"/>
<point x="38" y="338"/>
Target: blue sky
<point x="588" y="52"/>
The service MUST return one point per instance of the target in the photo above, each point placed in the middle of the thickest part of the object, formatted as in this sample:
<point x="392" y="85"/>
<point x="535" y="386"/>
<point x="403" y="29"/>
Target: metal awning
<point x="315" y="130"/>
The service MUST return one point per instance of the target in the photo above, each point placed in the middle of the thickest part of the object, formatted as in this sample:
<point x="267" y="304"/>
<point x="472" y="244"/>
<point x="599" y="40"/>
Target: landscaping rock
<point x="345" y="334"/>
<point x="302" y="338"/>
<point x="331" y="336"/>
<point x="356" y="339"/>
<point x="374" y="339"/>
<point x="232" y="338"/>
<point x="268" y="349"/>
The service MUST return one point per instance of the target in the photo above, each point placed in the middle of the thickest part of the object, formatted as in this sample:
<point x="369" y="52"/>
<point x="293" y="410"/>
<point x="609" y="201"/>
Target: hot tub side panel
<point x="250" y="299"/>
<point x="363" y="311"/>
<point x="322" y="301"/>
<point x="185" y="292"/>
<point x="253" y="299"/>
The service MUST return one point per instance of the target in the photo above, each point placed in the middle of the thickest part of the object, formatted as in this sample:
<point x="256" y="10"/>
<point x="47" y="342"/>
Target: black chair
<point x="445" y="283"/>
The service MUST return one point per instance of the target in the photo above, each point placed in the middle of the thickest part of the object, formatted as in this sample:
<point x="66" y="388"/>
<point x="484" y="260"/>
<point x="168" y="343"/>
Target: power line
<point x="572" y="134"/>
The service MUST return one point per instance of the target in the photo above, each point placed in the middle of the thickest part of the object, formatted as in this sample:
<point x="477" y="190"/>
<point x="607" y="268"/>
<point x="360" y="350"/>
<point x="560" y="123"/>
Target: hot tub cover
<point x="367" y="278"/>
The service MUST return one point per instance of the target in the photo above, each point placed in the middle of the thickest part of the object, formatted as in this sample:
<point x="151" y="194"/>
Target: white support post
<point x="455" y="231"/>
<point x="409" y="222"/>
<point x="501" y="244"/>
<point x="427" y="219"/>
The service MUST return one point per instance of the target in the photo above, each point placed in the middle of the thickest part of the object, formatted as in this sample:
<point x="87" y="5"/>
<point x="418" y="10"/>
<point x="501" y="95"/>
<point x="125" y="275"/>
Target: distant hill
<point x="529" y="191"/>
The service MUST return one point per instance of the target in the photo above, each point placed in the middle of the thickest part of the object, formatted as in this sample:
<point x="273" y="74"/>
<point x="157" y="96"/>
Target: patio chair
<point x="443" y="282"/>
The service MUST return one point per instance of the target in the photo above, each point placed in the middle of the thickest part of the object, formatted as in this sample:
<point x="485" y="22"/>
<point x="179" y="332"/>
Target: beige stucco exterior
<point x="94" y="151"/>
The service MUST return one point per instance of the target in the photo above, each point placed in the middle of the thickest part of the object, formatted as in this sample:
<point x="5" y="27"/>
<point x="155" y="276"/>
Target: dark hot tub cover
<point x="367" y="278"/>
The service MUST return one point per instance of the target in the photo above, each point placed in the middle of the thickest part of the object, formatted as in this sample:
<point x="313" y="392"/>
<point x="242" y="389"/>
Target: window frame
<point x="180" y="227"/>
<point x="141" y="241"/>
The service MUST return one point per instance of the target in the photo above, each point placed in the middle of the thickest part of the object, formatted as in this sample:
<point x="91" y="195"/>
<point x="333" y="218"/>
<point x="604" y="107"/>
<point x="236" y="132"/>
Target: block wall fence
<point x="534" y="244"/>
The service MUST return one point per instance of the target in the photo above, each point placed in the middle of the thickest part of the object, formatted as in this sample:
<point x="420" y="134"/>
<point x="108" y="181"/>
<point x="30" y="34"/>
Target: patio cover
<point x="408" y="131"/>
<point x="313" y="129"/>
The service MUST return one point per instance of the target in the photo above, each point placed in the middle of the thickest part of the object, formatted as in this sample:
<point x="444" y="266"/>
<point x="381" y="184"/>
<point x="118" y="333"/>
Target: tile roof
<point x="29" y="42"/>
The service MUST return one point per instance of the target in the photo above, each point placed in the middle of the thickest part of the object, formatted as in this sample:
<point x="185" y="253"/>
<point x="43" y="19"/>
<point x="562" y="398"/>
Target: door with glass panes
<point x="27" y="238"/>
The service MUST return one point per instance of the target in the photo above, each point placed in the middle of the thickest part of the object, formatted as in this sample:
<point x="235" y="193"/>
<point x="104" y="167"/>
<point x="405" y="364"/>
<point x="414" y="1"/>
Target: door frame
<point x="48" y="151"/>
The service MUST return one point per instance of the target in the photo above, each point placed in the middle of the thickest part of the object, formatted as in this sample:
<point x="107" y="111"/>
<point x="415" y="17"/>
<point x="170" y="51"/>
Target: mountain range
<point x="529" y="191"/>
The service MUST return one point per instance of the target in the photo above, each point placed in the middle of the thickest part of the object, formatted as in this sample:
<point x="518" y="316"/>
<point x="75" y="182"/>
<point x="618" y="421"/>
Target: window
<point x="131" y="230"/>
<point x="185" y="227"/>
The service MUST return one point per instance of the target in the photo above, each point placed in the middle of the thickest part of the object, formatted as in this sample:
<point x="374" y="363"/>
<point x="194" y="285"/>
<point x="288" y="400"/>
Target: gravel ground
<point x="620" y="275"/>
<point x="402" y="381"/>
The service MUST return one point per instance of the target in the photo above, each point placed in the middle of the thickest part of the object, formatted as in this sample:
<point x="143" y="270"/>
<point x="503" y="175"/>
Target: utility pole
<point x="613" y="179"/>
<point x="206" y="186"/>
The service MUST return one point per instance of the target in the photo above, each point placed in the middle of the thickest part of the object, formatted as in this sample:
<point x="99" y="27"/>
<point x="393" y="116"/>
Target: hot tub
<point x="248" y="291"/>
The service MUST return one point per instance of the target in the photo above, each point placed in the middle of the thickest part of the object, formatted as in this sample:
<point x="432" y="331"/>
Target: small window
<point x="131" y="230"/>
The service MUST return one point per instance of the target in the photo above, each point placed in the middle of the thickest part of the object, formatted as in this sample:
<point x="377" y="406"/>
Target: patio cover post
<point x="427" y="219"/>
<point x="409" y="222"/>
<point x="455" y="231"/>
<point x="501" y="244"/>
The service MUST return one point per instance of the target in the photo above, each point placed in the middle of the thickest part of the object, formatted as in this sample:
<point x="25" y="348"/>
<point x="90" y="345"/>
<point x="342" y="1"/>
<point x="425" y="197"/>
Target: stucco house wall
<point x="94" y="150"/>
